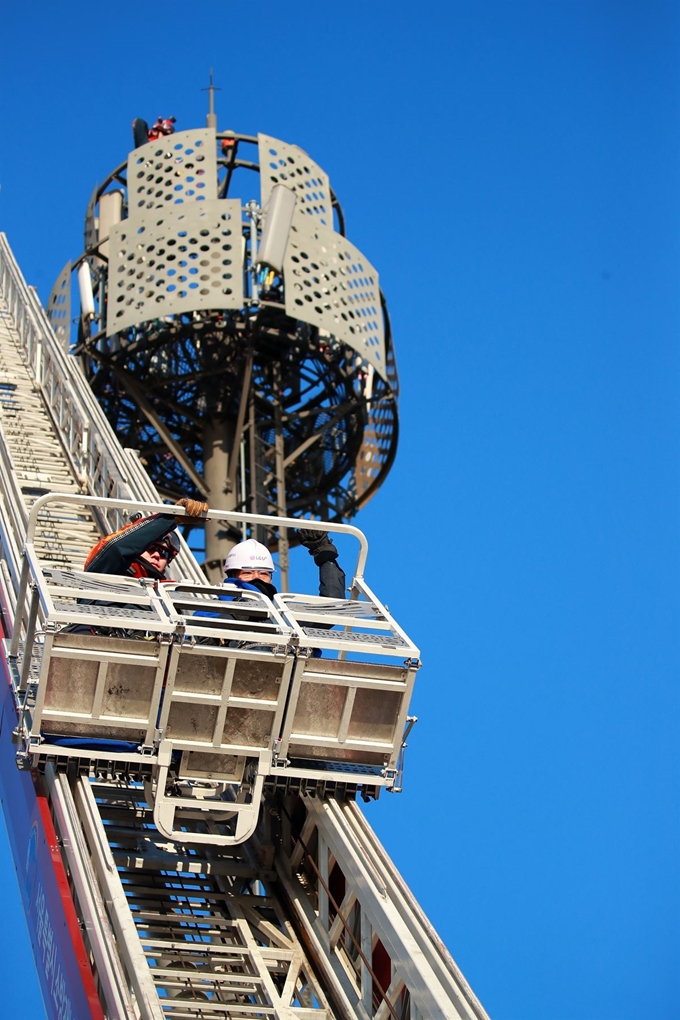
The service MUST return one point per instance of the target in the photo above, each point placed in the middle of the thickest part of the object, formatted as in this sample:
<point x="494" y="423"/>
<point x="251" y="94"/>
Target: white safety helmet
<point x="249" y="555"/>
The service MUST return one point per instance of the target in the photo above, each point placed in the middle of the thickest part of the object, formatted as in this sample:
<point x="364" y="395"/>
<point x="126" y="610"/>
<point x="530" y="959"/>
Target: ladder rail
<point x="421" y="962"/>
<point x="90" y="901"/>
<point x="409" y="908"/>
<point x="96" y="460"/>
<point x="123" y="923"/>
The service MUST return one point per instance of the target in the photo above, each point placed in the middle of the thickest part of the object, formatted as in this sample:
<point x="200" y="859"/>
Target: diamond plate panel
<point x="330" y="284"/>
<point x="383" y="639"/>
<point x="87" y="582"/>
<point x="179" y="259"/>
<point x="108" y="612"/>
<point x="282" y="163"/>
<point x="173" y="170"/>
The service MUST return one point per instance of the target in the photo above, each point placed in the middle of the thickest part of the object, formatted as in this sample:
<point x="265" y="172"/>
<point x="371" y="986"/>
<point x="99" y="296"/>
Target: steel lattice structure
<point x="262" y="386"/>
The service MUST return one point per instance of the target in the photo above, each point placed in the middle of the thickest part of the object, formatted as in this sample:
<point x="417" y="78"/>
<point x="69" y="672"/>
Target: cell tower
<point x="179" y="760"/>
<point x="243" y="346"/>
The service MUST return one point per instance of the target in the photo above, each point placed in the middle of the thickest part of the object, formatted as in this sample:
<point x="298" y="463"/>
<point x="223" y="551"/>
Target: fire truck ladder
<point x="33" y="461"/>
<point x="307" y="919"/>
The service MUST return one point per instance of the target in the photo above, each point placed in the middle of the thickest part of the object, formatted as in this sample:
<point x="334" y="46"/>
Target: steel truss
<point x="247" y="397"/>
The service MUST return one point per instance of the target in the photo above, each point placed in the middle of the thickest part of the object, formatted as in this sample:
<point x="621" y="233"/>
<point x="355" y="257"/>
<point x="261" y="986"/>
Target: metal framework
<point x="258" y="374"/>
<point x="234" y="692"/>
<point x="308" y="917"/>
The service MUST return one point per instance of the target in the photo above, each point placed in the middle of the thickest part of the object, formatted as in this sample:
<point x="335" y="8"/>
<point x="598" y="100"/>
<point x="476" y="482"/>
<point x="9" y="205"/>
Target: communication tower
<point x="242" y="345"/>
<point x="182" y="818"/>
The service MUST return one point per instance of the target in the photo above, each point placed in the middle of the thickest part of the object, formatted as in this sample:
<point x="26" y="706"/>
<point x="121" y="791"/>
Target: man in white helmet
<point x="250" y="566"/>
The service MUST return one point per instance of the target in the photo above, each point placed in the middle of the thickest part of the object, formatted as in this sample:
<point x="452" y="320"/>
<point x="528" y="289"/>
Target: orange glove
<point x="193" y="507"/>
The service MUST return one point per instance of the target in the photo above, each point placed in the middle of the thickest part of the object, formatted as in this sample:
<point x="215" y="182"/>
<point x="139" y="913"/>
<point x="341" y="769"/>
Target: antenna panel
<point x="182" y="259"/>
<point x="172" y="170"/>
<point x="331" y="285"/>
<point x="59" y="306"/>
<point x="282" y="163"/>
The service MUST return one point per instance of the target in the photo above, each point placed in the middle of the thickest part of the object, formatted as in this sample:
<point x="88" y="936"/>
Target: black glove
<point x="318" y="545"/>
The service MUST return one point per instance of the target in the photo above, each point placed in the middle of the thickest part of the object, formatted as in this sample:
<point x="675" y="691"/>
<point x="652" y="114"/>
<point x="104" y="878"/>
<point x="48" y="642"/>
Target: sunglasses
<point x="162" y="550"/>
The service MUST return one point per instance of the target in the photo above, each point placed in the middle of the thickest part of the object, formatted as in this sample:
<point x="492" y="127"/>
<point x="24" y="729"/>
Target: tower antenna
<point x="211" y="119"/>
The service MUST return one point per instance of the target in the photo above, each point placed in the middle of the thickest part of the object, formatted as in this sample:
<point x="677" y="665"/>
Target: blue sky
<point x="512" y="172"/>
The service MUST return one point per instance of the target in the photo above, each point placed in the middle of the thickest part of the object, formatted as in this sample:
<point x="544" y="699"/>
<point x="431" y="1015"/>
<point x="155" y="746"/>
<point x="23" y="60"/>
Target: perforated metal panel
<point x="181" y="259"/>
<point x="59" y="306"/>
<point x="90" y="221"/>
<point x="173" y="170"/>
<point x="282" y="163"/>
<point x="330" y="284"/>
<point x="368" y="460"/>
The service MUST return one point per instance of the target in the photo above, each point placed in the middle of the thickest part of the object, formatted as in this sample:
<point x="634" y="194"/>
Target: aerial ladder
<point x="181" y="800"/>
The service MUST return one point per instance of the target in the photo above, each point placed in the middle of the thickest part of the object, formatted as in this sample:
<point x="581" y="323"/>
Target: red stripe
<point x="96" y="1012"/>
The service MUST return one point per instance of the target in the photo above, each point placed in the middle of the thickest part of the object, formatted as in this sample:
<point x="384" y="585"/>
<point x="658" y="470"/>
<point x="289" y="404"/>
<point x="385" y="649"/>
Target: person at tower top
<point x="143" y="548"/>
<point x="163" y="126"/>
<point x="142" y="133"/>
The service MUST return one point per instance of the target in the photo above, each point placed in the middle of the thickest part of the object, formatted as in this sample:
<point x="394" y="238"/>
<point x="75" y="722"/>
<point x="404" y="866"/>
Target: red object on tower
<point x="163" y="126"/>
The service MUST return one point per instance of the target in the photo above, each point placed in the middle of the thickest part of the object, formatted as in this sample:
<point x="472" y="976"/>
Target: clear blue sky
<point x="512" y="172"/>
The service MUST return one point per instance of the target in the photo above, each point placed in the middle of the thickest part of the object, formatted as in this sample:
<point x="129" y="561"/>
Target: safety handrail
<point x="31" y="564"/>
<point x="236" y="516"/>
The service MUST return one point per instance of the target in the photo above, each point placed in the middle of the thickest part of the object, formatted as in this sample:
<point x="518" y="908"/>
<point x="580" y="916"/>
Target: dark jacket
<point x="332" y="582"/>
<point x="120" y="552"/>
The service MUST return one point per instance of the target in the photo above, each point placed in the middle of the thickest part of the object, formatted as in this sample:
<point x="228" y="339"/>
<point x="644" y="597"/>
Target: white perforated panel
<point x="59" y="307"/>
<point x="281" y="163"/>
<point x="169" y="261"/>
<point x="368" y="462"/>
<point x="173" y="170"/>
<point x="330" y="284"/>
